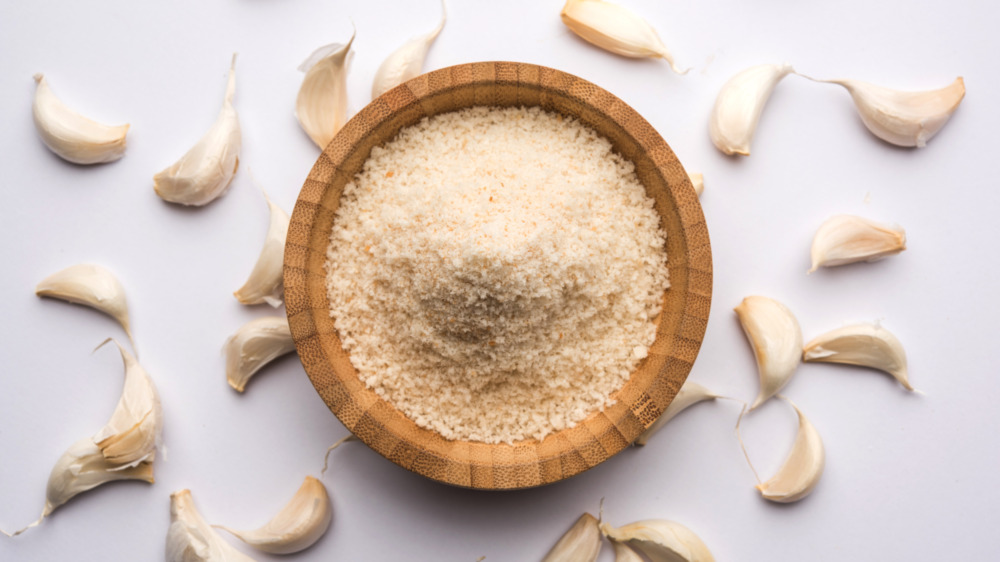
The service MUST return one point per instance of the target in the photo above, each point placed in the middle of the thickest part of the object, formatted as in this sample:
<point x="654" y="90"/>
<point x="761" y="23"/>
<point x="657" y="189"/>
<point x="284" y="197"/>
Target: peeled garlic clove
<point x="904" y="118"/>
<point x="661" y="540"/>
<point x="321" y="106"/>
<point x="615" y="28"/>
<point x="407" y="61"/>
<point x="297" y="526"/>
<point x="865" y="345"/>
<point x="581" y="543"/>
<point x="802" y="468"/>
<point x="740" y="104"/>
<point x="134" y="431"/>
<point x="265" y="283"/>
<point x="698" y="182"/>
<point x="776" y="340"/>
<point x="847" y="239"/>
<point x="205" y="171"/>
<point x="689" y="395"/>
<point x="72" y="136"/>
<point x="89" y="285"/>
<point x="255" y="344"/>
<point x="191" y="539"/>
<point x="624" y="553"/>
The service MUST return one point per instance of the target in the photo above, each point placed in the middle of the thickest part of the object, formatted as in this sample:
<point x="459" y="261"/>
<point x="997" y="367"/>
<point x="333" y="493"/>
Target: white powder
<point x="494" y="273"/>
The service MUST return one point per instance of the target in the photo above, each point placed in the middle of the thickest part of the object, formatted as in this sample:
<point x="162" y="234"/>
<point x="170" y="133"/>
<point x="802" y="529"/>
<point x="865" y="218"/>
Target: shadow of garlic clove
<point x="206" y="170"/>
<point x="265" y="283"/>
<point x="72" y="136"/>
<point x="739" y="105"/>
<point x="89" y="285"/>
<point x="321" y="105"/>
<point x="864" y="345"/>
<point x="581" y="543"/>
<point x="845" y="239"/>
<point x="660" y="539"/>
<point x="191" y="539"/>
<point x="776" y="341"/>
<point x="407" y="61"/>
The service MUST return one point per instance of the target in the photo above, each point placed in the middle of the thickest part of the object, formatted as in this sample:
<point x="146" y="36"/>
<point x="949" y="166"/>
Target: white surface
<point x="909" y="477"/>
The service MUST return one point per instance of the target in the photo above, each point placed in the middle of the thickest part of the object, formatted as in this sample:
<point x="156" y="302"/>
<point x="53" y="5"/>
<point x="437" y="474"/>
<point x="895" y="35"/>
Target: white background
<point x="908" y="477"/>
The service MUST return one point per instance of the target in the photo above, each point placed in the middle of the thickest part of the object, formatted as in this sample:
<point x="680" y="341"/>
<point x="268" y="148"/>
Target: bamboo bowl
<point x="528" y="463"/>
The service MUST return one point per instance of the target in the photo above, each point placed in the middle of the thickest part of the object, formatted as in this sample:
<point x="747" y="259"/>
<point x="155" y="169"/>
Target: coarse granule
<point x="494" y="273"/>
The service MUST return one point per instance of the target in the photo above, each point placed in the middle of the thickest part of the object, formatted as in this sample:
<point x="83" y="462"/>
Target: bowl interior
<point x="681" y="326"/>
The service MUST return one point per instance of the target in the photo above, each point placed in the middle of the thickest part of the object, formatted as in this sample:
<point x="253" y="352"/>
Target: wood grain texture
<point x="528" y="463"/>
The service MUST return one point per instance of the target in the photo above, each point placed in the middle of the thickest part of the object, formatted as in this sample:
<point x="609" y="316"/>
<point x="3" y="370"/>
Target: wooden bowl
<point x="565" y="453"/>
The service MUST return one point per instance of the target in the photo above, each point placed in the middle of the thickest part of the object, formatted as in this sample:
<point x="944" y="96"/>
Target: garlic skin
<point x="904" y="118"/>
<point x="690" y="394"/>
<point x="72" y="136"/>
<point x="321" y="106"/>
<point x="89" y="285"/>
<point x="776" y="340"/>
<point x="739" y="106"/>
<point x="206" y="170"/>
<point x="844" y="239"/>
<point x="191" y="539"/>
<point x="624" y="553"/>
<point x="407" y="61"/>
<point x="864" y="345"/>
<point x="135" y="429"/>
<point x="297" y="526"/>
<point x="266" y="282"/>
<point x="581" y="543"/>
<point x="661" y="540"/>
<point x="801" y="470"/>
<point x="698" y="181"/>
<point x="615" y="28"/>
<point x="255" y="344"/>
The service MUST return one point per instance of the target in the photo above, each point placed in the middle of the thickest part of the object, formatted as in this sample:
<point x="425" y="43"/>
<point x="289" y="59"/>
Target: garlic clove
<point x="297" y="526"/>
<point x="690" y="394"/>
<point x="615" y="28"/>
<point x="265" y="283"/>
<point x="135" y="429"/>
<point x="89" y="285"/>
<point x="844" y="239"/>
<point x="865" y="345"/>
<point x="661" y="540"/>
<point x="739" y="106"/>
<point x="776" y="340"/>
<point x="321" y="106"/>
<point x="407" y="61"/>
<point x="581" y="543"/>
<point x="624" y="553"/>
<point x="904" y="118"/>
<point x="254" y="345"/>
<point x="801" y="470"/>
<point x="72" y="136"/>
<point x="206" y="170"/>
<point x="191" y="539"/>
<point x="698" y="181"/>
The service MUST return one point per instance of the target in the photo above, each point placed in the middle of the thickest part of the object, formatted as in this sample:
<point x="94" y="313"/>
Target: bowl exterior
<point x="681" y="325"/>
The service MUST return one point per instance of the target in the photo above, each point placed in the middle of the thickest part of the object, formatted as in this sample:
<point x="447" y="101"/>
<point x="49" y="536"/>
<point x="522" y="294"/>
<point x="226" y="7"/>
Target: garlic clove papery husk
<point x="615" y="28"/>
<point x="135" y="429"/>
<point x="740" y="103"/>
<point x="321" y="106"/>
<point x="661" y="540"/>
<point x="581" y="543"/>
<point x="407" y="61"/>
<point x="776" y="340"/>
<point x="903" y="118"/>
<point x="698" y="182"/>
<point x="690" y="394"/>
<point x="864" y="345"/>
<point x="72" y="136"/>
<point x="844" y="239"/>
<point x="266" y="283"/>
<point x="801" y="470"/>
<point x="624" y="553"/>
<point x="206" y="170"/>
<point x="255" y="344"/>
<point x="297" y="526"/>
<point x="191" y="539"/>
<point x="89" y="285"/>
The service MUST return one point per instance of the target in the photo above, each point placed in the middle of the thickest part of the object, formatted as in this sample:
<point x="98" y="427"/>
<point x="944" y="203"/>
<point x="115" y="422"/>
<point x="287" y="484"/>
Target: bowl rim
<point x="374" y="421"/>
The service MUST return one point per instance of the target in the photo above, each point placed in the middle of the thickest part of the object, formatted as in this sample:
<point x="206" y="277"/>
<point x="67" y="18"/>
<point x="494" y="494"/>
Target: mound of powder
<point x="494" y="273"/>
